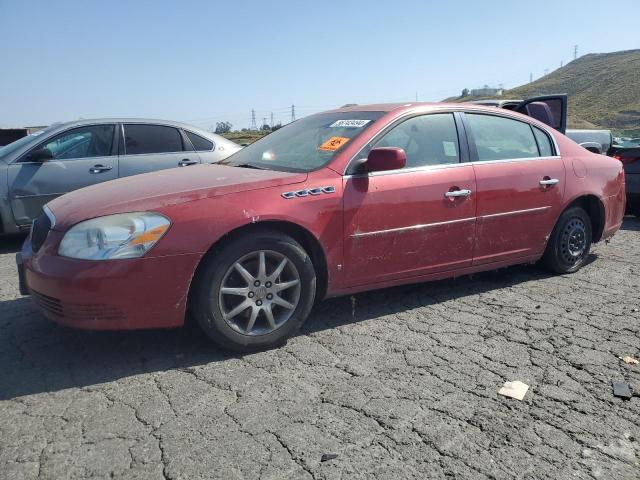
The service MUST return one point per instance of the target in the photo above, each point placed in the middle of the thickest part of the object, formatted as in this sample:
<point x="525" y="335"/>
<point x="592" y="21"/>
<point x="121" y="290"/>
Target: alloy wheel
<point x="259" y="292"/>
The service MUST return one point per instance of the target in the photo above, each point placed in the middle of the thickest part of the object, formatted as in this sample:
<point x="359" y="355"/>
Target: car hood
<point x="159" y="189"/>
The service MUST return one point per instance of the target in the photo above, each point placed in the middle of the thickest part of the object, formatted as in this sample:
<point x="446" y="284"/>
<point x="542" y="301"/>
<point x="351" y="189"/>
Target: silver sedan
<point x="65" y="157"/>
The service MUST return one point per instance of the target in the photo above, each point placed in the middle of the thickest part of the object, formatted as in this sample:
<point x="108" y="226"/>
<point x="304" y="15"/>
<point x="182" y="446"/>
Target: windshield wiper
<point x="249" y="165"/>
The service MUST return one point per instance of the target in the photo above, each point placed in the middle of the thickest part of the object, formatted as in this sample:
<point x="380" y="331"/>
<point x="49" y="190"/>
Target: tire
<point x="570" y="242"/>
<point x="222" y="290"/>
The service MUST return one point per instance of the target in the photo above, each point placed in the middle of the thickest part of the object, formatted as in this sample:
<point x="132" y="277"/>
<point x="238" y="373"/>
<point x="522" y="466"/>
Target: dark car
<point x="630" y="158"/>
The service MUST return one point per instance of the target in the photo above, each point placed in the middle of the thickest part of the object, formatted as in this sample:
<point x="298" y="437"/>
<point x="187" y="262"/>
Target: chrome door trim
<point x="515" y="212"/>
<point x="412" y="227"/>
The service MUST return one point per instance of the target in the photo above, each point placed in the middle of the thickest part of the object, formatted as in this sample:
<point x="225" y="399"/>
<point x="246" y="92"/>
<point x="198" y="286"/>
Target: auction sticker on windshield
<point x="349" y="123"/>
<point x="333" y="144"/>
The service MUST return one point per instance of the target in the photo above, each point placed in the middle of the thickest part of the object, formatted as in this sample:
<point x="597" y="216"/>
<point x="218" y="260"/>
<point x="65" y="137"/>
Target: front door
<point x="149" y="147"/>
<point x="520" y="185"/>
<point x="81" y="156"/>
<point x="416" y="220"/>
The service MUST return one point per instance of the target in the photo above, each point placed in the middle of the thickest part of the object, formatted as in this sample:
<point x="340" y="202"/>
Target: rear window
<point x="199" y="143"/>
<point x="140" y="139"/>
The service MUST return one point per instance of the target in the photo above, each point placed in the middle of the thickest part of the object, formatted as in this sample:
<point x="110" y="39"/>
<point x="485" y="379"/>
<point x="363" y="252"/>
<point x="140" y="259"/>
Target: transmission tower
<point x="271" y="119"/>
<point x="264" y="122"/>
<point x="293" y="113"/>
<point x="575" y="52"/>
<point x="530" y="77"/>
<point x="253" y="120"/>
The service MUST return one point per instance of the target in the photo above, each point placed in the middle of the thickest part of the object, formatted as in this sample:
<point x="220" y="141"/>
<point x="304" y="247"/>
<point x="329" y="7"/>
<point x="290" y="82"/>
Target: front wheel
<point x="255" y="292"/>
<point x="570" y="242"/>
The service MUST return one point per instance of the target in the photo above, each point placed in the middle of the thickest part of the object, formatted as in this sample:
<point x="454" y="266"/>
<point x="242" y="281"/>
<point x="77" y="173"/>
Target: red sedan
<point x="354" y="199"/>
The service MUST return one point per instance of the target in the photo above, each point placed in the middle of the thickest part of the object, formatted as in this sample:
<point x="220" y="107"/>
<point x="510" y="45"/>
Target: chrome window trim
<point x="504" y="113"/>
<point x="52" y="218"/>
<point x="409" y="170"/>
<point x="510" y="160"/>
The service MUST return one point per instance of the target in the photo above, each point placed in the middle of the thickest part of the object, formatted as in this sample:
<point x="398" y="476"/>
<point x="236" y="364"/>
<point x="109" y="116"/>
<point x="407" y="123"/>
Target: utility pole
<point x="272" y="120"/>
<point x="253" y="120"/>
<point x="575" y="52"/>
<point x="293" y="113"/>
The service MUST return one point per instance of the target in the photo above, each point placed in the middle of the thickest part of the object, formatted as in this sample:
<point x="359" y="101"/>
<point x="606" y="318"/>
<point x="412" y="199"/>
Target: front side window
<point x="500" y="138"/>
<point x="141" y="138"/>
<point x="81" y="142"/>
<point x="199" y="143"/>
<point x="307" y="144"/>
<point x="426" y="140"/>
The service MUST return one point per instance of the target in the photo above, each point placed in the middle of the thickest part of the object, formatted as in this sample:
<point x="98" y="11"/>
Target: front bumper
<point x="107" y="295"/>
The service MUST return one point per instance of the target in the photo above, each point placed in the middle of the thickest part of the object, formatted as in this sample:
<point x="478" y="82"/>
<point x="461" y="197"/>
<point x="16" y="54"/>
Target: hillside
<point x="603" y="89"/>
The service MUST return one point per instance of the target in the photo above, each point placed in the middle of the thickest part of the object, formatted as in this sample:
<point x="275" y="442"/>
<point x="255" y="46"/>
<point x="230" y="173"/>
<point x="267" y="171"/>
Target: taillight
<point x="626" y="160"/>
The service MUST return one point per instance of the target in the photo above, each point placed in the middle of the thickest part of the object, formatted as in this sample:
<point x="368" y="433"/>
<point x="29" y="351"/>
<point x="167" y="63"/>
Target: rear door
<point x="549" y="109"/>
<point x="82" y="156"/>
<point x="150" y="147"/>
<point x="416" y="220"/>
<point x="520" y="185"/>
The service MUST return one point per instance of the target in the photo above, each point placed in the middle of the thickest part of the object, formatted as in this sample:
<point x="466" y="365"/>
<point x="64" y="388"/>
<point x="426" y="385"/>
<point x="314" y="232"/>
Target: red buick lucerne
<point x="353" y="199"/>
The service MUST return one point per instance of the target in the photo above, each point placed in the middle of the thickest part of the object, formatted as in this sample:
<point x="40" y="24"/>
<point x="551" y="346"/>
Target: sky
<point x="207" y="61"/>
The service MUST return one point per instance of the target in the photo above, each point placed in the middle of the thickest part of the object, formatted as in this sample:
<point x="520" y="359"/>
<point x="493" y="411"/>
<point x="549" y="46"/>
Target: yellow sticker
<point x="333" y="144"/>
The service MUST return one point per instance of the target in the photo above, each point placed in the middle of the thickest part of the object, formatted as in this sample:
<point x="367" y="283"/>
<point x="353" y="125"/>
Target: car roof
<point x="423" y="106"/>
<point x="155" y="121"/>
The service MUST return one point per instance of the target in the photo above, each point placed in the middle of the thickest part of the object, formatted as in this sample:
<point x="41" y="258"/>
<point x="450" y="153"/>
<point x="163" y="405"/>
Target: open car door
<point x="549" y="109"/>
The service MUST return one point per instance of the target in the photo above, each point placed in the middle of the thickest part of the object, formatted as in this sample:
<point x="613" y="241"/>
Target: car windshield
<point x="21" y="142"/>
<point x="305" y="145"/>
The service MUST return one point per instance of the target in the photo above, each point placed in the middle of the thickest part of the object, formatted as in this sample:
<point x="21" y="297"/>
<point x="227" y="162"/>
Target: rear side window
<point x="544" y="144"/>
<point x="427" y="140"/>
<point x="199" y="143"/>
<point x="82" y="142"/>
<point x="500" y="138"/>
<point x="151" y="139"/>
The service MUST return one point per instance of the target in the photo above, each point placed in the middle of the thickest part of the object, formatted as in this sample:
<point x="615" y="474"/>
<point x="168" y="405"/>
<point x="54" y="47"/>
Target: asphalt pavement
<point x="397" y="383"/>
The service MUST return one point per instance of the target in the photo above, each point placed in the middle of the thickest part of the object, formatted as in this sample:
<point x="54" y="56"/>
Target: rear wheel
<point x="255" y="292"/>
<point x="570" y="242"/>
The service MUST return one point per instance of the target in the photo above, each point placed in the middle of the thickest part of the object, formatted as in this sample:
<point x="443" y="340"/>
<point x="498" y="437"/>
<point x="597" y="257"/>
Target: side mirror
<point x="385" y="158"/>
<point x="40" y="155"/>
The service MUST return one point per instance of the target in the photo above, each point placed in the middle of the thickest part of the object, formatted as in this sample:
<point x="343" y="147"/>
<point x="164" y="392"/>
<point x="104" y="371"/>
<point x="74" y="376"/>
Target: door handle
<point x="549" y="182"/>
<point x="99" y="169"/>
<point x="185" y="162"/>
<point x="458" y="193"/>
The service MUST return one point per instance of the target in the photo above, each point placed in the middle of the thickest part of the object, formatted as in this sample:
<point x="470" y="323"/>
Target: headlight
<point x="125" y="235"/>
